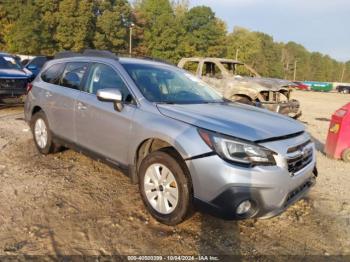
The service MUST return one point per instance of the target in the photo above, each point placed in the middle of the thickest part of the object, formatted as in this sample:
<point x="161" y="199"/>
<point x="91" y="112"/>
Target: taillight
<point x="29" y="87"/>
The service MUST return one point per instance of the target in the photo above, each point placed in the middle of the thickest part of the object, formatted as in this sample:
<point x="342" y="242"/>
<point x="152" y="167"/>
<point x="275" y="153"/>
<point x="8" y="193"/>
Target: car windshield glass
<point x="166" y="84"/>
<point x="9" y="62"/>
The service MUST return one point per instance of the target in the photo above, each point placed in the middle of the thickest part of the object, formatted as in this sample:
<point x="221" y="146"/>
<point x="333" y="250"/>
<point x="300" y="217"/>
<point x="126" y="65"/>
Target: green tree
<point x="268" y="60"/>
<point x="23" y="33"/>
<point x="112" y="25"/>
<point x="204" y="34"/>
<point x="75" y="25"/>
<point x="160" y="34"/>
<point x="244" y="44"/>
<point x="48" y="24"/>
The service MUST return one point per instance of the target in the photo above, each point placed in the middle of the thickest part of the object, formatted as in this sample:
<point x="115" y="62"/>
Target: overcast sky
<point x="319" y="25"/>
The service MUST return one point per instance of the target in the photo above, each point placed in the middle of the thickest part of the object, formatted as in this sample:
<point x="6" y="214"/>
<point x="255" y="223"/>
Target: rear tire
<point x="166" y="187"/>
<point x="346" y="155"/>
<point x="42" y="135"/>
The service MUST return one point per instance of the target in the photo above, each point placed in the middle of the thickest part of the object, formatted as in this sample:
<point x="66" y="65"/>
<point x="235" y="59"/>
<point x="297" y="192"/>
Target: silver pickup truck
<point x="239" y="82"/>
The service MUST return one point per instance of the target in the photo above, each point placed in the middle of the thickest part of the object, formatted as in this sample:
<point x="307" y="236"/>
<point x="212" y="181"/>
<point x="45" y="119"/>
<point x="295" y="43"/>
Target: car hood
<point x="234" y="119"/>
<point x="261" y="83"/>
<point x="15" y="73"/>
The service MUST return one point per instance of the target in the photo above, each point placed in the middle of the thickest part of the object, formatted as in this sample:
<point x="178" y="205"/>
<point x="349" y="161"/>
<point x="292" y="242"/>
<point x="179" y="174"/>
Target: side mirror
<point x="32" y="67"/>
<point x="111" y="95"/>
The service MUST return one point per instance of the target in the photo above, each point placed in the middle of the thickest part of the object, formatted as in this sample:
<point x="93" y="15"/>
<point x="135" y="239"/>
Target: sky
<point x="319" y="25"/>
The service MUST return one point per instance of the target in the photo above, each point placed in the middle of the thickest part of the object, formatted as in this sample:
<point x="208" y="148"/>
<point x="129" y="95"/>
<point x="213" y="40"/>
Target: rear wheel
<point x="42" y="134"/>
<point x="165" y="187"/>
<point x="346" y="155"/>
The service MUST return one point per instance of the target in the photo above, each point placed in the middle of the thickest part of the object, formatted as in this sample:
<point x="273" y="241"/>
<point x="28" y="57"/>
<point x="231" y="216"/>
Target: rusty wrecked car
<point x="239" y="82"/>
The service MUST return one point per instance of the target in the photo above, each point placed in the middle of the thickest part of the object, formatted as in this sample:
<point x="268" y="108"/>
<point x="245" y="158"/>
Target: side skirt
<point x="128" y="170"/>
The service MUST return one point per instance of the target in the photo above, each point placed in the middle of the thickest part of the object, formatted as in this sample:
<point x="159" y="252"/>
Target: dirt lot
<point x="67" y="204"/>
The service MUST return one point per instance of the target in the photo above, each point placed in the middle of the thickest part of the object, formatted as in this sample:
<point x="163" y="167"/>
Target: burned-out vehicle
<point x="239" y="82"/>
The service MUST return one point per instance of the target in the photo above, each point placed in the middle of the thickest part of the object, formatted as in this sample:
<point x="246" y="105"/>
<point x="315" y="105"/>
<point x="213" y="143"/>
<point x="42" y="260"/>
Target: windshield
<point x="165" y="84"/>
<point x="9" y="62"/>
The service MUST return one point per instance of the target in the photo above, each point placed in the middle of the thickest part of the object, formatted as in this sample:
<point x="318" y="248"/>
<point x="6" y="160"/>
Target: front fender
<point x="182" y="136"/>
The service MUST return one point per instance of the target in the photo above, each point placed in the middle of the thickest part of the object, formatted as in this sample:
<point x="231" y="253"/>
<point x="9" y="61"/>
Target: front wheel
<point x="165" y="187"/>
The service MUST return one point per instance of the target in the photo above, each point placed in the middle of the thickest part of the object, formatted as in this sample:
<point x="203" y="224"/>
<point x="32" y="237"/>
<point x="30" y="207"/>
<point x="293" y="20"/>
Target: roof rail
<point x="87" y="52"/>
<point x="146" y="58"/>
<point x="157" y="60"/>
<point x="100" y="53"/>
<point x="65" y="54"/>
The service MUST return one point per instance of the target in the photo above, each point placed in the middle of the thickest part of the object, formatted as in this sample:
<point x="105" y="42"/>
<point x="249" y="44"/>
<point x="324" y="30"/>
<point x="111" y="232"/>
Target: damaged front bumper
<point x="290" y="108"/>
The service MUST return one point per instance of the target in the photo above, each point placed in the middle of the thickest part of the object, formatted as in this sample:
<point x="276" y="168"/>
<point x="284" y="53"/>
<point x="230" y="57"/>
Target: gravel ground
<point x="68" y="204"/>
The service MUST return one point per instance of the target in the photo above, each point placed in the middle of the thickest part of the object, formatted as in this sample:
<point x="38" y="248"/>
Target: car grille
<point x="13" y="83"/>
<point x="300" y="156"/>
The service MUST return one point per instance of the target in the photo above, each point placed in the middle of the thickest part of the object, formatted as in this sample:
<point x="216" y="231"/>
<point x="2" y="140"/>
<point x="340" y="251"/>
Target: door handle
<point x="81" y="106"/>
<point x="48" y="94"/>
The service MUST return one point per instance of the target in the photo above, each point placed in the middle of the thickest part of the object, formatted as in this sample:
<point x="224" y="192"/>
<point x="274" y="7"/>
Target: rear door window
<point x="73" y="74"/>
<point x="53" y="74"/>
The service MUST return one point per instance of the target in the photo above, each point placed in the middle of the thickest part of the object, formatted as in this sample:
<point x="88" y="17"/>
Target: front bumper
<point x="8" y="93"/>
<point x="220" y="187"/>
<point x="290" y="108"/>
<point x="13" y="87"/>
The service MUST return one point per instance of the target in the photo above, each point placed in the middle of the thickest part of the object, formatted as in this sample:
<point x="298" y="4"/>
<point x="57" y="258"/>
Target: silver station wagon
<point x="171" y="133"/>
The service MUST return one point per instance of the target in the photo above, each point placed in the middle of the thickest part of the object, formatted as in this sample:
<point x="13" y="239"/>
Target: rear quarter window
<point x="53" y="74"/>
<point x="73" y="74"/>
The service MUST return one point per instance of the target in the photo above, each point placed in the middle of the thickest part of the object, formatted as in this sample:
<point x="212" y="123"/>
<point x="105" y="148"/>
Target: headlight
<point x="238" y="151"/>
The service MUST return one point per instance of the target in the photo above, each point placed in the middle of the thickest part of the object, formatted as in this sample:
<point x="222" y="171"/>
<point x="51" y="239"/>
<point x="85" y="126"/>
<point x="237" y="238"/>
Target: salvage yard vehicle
<point x="13" y="77"/>
<point x="301" y="86"/>
<point x="345" y="89"/>
<point x="35" y="64"/>
<point x="172" y="134"/>
<point x="319" y="86"/>
<point x="241" y="83"/>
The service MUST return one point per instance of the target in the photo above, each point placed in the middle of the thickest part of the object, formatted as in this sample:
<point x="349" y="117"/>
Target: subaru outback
<point x="186" y="146"/>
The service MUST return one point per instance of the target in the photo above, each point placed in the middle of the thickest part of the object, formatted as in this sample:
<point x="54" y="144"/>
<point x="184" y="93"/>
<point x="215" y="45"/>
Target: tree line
<point x="162" y="29"/>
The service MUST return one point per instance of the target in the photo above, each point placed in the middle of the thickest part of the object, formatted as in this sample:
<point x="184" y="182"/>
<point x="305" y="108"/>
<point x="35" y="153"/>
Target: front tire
<point x="42" y="134"/>
<point x="165" y="187"/>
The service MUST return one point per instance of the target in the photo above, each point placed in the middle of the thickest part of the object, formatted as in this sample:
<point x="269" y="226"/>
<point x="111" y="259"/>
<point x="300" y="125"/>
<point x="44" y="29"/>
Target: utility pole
<point x="342" y="74"/>
<point x="131" y="25"/>
<point x="295" y="70"/>
<point x="237" y="51"/>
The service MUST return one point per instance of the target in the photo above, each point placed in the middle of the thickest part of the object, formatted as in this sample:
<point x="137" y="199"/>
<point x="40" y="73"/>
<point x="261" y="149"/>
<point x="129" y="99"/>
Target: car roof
<point x="122" y="60"/>
<point x="104" y="56"/>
